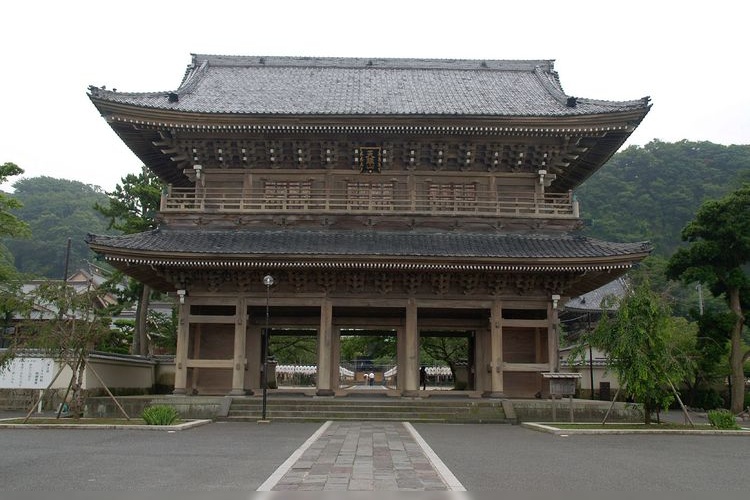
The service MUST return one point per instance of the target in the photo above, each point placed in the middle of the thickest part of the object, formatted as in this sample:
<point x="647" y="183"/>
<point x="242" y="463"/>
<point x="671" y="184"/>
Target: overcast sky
<point x="690" y="57"/>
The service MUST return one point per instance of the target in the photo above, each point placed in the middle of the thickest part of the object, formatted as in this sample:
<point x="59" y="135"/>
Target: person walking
<point x="423" y="378"/>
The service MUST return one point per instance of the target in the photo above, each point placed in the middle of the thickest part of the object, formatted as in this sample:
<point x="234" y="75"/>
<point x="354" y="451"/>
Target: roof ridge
<point x="373" y="62"/>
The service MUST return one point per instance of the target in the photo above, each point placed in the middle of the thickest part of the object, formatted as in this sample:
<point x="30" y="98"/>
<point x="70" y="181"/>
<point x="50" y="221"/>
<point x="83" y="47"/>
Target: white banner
<point x="27" y="373"/>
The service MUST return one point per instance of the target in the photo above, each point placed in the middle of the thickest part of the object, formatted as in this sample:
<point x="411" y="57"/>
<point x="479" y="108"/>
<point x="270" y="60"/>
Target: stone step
<point x="299" y="418"/>
<point x="373" y="408"/>
<point x="246" y="409"/>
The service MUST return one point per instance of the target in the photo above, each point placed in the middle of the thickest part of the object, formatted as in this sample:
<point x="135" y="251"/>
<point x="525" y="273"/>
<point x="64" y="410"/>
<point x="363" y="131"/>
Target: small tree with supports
<point x="66" y="325"/>
<point x="645" y="346"/>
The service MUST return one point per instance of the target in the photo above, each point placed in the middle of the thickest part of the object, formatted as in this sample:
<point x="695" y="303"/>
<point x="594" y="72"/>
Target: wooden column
<point x="410" y="370"/>
<point x="252" y="352"/>
<point x="197" y="334"/>
<point x="400" y="358"/>
<point x="181" y="354"/>
<point x="335" y="358"/>
<point x="325" y="348"/>
<point x="553" y="341"/>
<point x="496" y="351"/>
<point x="240" y="340"/>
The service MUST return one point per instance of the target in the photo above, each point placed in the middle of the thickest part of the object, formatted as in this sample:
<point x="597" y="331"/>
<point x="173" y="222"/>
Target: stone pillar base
<point x="411" y="394"/>
<point x="240" y="392"/>
<point x="324" y="392"/>
<point x="180" y="392"/>
<point x="493" y="394"/>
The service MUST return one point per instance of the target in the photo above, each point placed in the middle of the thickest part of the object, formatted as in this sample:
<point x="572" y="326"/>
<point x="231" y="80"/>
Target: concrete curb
<point x="551" y="429"/>
<point x="4" y="424"/>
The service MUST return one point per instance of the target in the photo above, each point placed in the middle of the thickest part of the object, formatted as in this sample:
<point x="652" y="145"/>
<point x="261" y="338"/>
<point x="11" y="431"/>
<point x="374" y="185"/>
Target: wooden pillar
<point x="252" y="352"/>
<point x="410" y="370"/>
<point x="240" y="340"/>
<point x="553" y="341"/>
<point x="335" y="359"/>
<point x="400" y="358"/>
<point x="325" y="348"/>
<point x="496" y="351"/>
<point x="197" y="334"/>
<point x="181" y="354"/>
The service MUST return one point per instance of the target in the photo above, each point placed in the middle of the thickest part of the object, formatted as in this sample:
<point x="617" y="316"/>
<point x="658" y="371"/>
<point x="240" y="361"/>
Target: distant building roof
<point x="361" y="86"/>
<point x="595" y="299"/>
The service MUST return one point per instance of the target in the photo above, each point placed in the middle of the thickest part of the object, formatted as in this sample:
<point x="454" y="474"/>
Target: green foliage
<point x="651" y="192"/>
<point x="55" y="210"/>
<point x="64" y="324"/>
<point x="10" y="225"/>
<point x="294" y="349"/>
<point x="132" y="206"/>
<point x="160" y="415"/>
<point x="445" y="351"/>
<point x="718" y="255"/>
<point x="723" y="419"/>
<point x="162" y="329"/>
<point x="645" y="345"/>
<point x="380" y="349"/>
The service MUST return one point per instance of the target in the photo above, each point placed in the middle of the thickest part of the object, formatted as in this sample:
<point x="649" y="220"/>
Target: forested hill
<point x="651" y="192"/>
<point x="55" y="210"/>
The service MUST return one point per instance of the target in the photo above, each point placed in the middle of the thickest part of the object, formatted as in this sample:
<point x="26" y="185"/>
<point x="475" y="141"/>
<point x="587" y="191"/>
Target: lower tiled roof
<point x="177" y="243"/>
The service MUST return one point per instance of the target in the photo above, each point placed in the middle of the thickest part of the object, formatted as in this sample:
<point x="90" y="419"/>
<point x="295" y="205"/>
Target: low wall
<point x="123" y="375"/>
<point x="187" y="406"/>
<point x="584" y="410"/>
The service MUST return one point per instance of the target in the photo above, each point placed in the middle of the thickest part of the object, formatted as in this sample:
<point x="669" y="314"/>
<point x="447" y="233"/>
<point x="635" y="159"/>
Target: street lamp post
<point x="268" y="281"/>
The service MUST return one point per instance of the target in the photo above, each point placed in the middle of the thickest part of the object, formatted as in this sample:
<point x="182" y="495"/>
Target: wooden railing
<point x="313" y="201"/>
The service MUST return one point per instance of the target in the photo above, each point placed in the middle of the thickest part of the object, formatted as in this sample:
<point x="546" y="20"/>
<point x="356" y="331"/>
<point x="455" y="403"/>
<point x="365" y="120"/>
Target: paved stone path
<point x="363" y="456"/>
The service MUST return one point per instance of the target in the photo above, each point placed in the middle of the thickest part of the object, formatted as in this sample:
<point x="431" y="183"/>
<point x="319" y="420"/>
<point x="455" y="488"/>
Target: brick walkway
<point x="362" y="456"/>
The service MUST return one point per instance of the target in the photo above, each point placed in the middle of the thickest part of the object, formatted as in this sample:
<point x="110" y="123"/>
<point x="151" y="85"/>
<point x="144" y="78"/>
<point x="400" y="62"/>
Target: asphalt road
<point x="511" y="458"/>
<point x="238" y="457"/>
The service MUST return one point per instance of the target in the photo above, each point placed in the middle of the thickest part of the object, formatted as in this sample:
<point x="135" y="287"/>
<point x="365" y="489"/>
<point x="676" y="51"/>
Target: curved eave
<point x="477" y="123"/>
<point x="370" y="263"/>
<point x="140" y="127"/>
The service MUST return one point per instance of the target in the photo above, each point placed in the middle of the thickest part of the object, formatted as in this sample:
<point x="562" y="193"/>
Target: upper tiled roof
<point x="351" y="86"/>
<point x="329" y="243"/>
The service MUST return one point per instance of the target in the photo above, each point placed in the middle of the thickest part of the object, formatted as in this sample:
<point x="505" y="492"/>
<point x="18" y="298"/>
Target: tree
<point x="10" y="225"/>
<point x="55" y="210"/>
<point x="132" y="208"/>
<point x="65" y="325"/>
<point x="646" y="347"/>
<point x="718" y="255"/>
<point x="445" y="350"/>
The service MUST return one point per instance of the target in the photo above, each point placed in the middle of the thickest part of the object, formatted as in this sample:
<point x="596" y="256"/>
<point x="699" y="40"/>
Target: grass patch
<point x="630" y="426"/>
<point x="79" y="421"/>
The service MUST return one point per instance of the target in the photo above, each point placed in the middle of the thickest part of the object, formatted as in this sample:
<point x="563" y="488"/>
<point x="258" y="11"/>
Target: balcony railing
<point x="314" y="201"/>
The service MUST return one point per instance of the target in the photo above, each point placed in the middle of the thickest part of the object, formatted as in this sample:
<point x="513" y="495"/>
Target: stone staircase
<point x="317" y="409"/>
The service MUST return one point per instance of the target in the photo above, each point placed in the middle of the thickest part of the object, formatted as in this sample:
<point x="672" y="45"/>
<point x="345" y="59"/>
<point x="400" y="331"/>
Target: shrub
<point x="708" y="399"/>
<point x="160" y="415"/>
<point x="722" y="419"/>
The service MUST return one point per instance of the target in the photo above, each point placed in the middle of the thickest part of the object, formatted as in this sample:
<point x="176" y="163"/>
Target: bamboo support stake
<point x="117" y="403"/>
<point x="28" y="415"/>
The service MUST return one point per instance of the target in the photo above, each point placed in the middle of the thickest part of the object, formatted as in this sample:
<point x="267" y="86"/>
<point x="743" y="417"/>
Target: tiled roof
<point x="595" y="299"/>
<point x="329" y="243"/>
<point x="351" y="86"/>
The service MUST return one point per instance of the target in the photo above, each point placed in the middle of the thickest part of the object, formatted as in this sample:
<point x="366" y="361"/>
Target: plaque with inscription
<point x="370" y="160"/>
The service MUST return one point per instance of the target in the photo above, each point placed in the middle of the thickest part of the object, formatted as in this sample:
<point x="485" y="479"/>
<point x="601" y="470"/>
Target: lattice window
<point x="452" y="197"/>
<point x="287" y="195"/>
<point x="370" y="195"/>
